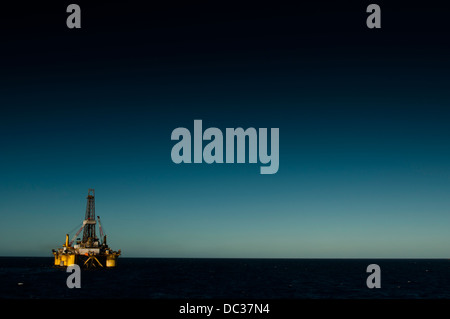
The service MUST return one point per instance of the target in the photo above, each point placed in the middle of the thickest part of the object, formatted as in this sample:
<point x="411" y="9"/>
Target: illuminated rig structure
<point x="90" y="252"/>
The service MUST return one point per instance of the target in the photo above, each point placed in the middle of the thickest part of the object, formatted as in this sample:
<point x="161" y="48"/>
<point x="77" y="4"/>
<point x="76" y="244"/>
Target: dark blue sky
<point x="363" y="118"/>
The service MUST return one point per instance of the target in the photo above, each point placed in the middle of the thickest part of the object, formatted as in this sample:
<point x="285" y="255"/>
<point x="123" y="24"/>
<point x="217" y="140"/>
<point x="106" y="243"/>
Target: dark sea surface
<point x="184" y="278"/>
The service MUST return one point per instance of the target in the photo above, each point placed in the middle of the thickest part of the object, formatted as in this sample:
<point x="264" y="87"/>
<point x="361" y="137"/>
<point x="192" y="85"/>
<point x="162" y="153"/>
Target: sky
<point x="363" y="117"/>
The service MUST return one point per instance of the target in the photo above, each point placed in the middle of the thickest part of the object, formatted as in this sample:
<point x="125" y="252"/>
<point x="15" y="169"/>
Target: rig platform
<point x="90" y="251"/>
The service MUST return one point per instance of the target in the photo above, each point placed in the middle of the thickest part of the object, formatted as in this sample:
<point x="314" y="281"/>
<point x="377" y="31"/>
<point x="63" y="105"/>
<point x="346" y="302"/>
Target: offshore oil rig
<point x="89" y="252"/>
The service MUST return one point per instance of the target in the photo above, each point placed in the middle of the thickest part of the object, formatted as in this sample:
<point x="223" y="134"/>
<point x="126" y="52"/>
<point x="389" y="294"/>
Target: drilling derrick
<point x="89" y="220"/>
<point x="88" y="252"/>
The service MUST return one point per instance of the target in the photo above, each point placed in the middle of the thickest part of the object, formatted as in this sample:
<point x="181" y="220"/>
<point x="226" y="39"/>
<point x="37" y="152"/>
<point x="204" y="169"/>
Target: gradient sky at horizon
<point x="363" y="118"/>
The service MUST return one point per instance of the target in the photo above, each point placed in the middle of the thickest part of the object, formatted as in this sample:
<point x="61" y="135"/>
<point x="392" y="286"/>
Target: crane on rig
<point x="102" y="238"/>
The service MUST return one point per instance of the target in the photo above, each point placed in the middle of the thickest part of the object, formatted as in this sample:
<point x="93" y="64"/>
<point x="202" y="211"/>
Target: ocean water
<point x="184" y="278"/>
